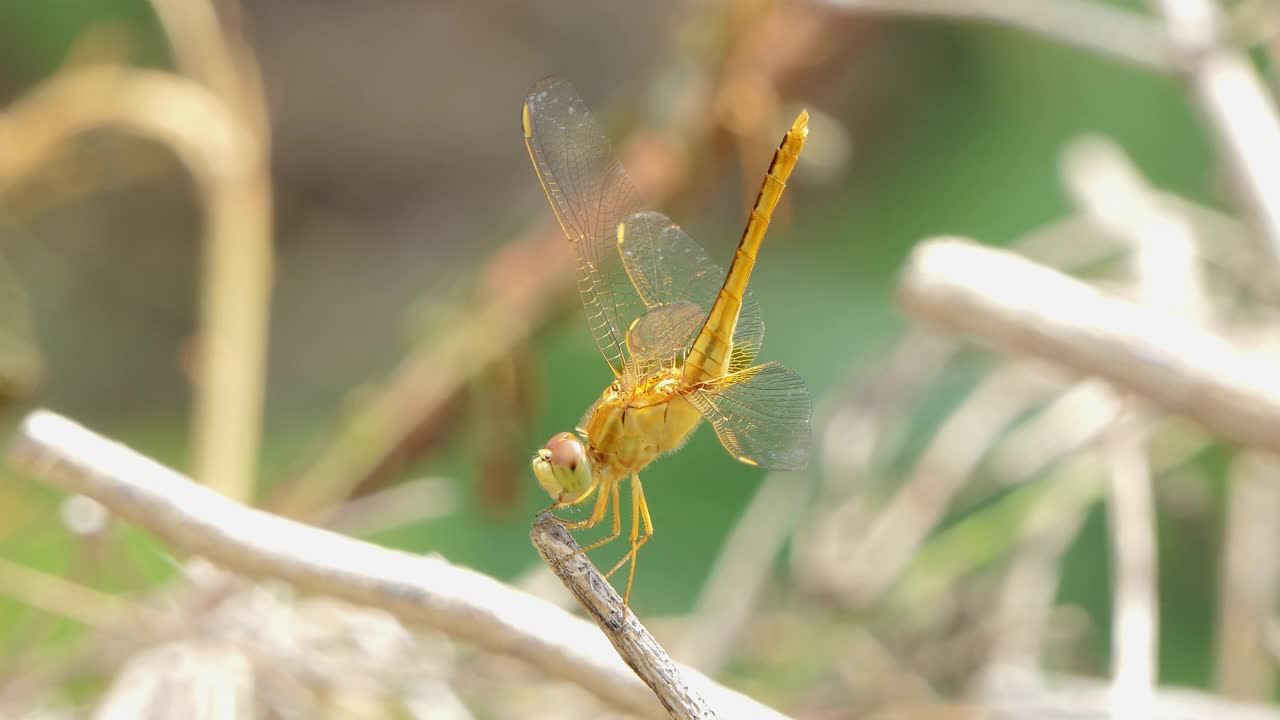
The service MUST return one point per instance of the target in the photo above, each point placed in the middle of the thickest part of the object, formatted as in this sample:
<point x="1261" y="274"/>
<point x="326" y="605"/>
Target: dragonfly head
<point x="563" y="467"/>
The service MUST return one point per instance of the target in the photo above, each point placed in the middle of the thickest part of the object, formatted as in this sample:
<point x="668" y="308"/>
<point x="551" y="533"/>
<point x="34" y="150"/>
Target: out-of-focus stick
<point x="1018" y="306"/>
<point x="1236" y="104"/>
<point x="1246" y="603"/>
<point x="462" y="603"/>
<point x="681" y="690"/>
<point x="1111" y="31"/>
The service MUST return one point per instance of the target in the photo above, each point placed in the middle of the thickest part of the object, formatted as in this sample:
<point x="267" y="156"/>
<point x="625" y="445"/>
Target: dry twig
<point x="1036" y="310"/>
<point x="237" y="267"/>
<point x="426" y="590"/>
<point x="1166" y="272"/>
<point x="634" y="643"/>
<point x="67" y="599"/>
<point x="1131" y="516"/>
<point x="1030" y="586"/>
<point x="936" y="477"/>
<point x="1248" y="579"/>
<point x="1108" y="31"/>
<point x="228" y="164"/>
<point x="1013" y="694"/>
<point x="738" y="579"/>
<point x="1236" y="105"/>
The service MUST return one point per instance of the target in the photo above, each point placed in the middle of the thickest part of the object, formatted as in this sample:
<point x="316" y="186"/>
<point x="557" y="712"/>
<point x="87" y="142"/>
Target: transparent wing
<point x="659" y="338"/>
<point x="668" y="269"/>
<point x="760" y="414"/>
<point x="591" y="195"/>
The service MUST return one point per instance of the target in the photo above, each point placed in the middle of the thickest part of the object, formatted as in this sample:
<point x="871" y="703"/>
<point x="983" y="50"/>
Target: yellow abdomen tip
<point x="801" y="125"/>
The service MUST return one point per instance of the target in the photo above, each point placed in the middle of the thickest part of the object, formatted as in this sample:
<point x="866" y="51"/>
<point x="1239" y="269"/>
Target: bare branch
<point x="426" y="590"/>
<point x="238" y="259"/>
<point x="1067" y="424"/>
<point x="1038" y="311"/>
<point x="204" y="51"/>
<point x="737" y="580"/>
<point x="1131" y="521"/>
<point x="936" y="477"/>
<point x="1235" y="103"/>
<point x="1030" y="586"/>
<point x="1163" y="254"/>
<point x="1249" y="579"/>
<point x="228" y="163"/>
<point x="1012" y="693"/>
<point x="70" y="600"/>
<point x="1110" y="31"/>
<point x="1166" y="272"/>
<point x="633" y="642"/>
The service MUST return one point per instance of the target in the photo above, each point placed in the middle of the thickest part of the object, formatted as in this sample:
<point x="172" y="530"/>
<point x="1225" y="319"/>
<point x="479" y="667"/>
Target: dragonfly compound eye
<point x="562" y="467"/>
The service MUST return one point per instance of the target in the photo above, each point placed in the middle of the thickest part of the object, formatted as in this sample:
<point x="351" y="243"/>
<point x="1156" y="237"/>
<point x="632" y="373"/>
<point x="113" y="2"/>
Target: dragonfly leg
<point x="639" y="511"/>
<point x="576" y="501"/>
<point x="617" y="521"/>
<point x="597" y="511"/>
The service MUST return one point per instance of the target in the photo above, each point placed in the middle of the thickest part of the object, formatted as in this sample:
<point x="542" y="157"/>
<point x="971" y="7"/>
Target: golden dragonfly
<point x="681" y="343"/>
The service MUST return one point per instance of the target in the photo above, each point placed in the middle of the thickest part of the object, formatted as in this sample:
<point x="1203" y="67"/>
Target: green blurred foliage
<point x="35" y="37"/>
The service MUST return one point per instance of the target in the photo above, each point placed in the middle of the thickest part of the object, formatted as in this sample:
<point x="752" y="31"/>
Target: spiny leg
<point x="635" y="528"/>
<point x="569" y="503"/>
<point x="617" y="521"/>
<point x="635" y="549"/>
<point x="597" y="511"/>
<point x="639" y="510"/>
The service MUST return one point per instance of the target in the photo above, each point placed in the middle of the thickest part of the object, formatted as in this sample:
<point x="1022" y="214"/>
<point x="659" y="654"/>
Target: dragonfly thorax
<point x="629" y="427"/>
<point x="654" y="387"/>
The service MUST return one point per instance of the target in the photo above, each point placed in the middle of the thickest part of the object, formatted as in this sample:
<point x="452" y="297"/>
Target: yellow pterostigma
<point x="680" y="335"/>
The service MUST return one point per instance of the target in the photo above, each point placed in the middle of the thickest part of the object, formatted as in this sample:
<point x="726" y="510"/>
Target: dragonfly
<point x="679" y="334"/>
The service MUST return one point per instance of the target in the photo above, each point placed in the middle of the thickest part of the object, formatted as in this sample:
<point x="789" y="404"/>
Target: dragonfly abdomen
<point x="709" y="355"/>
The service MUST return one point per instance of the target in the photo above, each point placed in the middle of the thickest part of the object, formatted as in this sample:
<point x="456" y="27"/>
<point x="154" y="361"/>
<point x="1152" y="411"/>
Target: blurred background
<point x="419" y="281"/>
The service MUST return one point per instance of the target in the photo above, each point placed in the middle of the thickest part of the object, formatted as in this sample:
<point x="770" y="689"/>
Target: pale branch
<point x="1235" y="102"/>
<point x="737" y="582"/>
<point x="1165" y="267"/>
<point x="1018" y="306"/>
<point x="1029" y="589"/>
<point x="1095" y="26"/>
<point x="1019" y="693"/>
<point x="634" y="643"/>
<point x="1249" y="578"/>
<point x="70" y="600"/>
<point x="936" y="478"/>
<point x="1131" y="524"/>
<point x="228" y="163"/>
<point x="462" y="603"/>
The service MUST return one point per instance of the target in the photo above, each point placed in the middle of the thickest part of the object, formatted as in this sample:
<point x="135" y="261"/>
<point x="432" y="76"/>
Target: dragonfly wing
<point x="591" y="195"/>
<point x="658" y="337"/>
<point x="669" y="268"/>
<point x="760" y="414"/>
